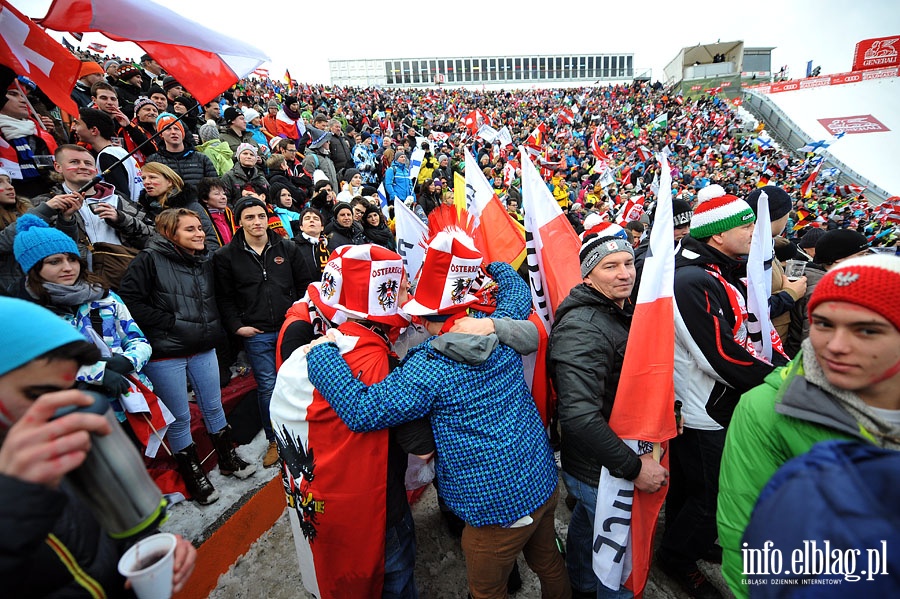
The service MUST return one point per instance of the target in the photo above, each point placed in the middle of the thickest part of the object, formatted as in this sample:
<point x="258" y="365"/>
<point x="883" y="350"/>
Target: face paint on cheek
<point x="6" y="419"/>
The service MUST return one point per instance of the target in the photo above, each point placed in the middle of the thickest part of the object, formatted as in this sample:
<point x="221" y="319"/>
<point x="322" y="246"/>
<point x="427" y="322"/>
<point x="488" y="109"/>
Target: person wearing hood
<point x="259" y="274"/>
<point x="170" y="289"/>
<point x="343" y="230"/>
<point x="254" y="126"/>
<point x="397" y="182"/>
<point x="215" y="149"/>
<point x="190" y="164"/>
<point x="318" y="157"/>
<point x="243" y="173"/>
<point x="164" y="189"/>
<point x="585" y="356"/>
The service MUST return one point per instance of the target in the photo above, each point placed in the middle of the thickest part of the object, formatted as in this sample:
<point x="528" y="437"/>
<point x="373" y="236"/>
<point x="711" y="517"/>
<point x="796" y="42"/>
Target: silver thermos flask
<point x="113" y="480"/>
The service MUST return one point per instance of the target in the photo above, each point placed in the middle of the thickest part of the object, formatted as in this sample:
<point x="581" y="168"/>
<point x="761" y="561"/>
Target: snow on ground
<point x="270" y="568"/>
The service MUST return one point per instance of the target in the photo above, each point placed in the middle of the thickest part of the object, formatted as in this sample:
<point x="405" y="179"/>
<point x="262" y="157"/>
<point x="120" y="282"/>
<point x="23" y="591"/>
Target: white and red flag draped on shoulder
<point x="806" y="188"/>
<point x="28" y="50"/>
<point x="632" y="209"/>
<point x="475" y="119"/>
<point x="318" y="451"/>
<point x="552" y="245"/>
<point x="643" y="413"/>
<point x="496" y="234"/>
<point x="204" y="61"/>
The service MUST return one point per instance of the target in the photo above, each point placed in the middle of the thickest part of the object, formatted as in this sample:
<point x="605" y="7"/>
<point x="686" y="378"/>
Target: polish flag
<point x="204" y="61"/>
<point x="643" y="414"/>
<point x="27" y="50"/>
<point x="496" y="235"/>
<point x="552" y="245"/>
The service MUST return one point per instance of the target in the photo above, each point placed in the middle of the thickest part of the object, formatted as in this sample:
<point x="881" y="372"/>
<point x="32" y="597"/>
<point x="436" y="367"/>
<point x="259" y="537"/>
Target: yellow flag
<point x="459" y="192"/>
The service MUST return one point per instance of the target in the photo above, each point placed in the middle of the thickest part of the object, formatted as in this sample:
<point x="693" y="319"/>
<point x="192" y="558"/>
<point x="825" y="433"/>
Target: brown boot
<point x="230" y="462"/>
<point x="271" y="457"/>
<point x="195" y="479"/>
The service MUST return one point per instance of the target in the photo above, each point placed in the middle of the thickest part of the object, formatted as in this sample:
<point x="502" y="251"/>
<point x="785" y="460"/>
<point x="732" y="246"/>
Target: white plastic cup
<point x="149" y="565"/>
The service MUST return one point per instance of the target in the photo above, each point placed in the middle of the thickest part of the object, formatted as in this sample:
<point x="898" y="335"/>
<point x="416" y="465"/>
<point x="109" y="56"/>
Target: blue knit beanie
<point x="35" y="240"/>
<point x="30" y="331"/>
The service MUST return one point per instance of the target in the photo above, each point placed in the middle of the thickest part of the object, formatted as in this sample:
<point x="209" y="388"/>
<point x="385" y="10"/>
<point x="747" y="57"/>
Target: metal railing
<point x="783" y="130"/>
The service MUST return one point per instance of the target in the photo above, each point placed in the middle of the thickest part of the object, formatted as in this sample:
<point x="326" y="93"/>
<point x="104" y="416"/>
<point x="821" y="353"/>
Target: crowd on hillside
<point x="210" y="227"/>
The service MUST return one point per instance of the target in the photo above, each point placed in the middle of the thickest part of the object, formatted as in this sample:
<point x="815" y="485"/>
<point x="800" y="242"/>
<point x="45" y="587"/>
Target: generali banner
<point x="839" y="79"/>
<point x="877" y="53"/>
<point x="864" y="123"/>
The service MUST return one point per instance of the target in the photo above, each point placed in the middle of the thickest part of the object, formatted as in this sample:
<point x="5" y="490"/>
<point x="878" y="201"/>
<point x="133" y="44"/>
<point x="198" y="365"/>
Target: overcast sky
<point x="304" y="36"/>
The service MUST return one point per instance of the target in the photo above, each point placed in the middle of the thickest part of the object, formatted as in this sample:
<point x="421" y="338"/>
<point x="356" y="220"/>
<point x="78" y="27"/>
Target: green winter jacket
<point x="774" y="422"/>
<point x="220" y="153"/>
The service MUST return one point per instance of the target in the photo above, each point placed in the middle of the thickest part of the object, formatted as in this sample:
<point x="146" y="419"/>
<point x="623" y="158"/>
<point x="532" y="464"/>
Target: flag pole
<point x="99" y="176"/>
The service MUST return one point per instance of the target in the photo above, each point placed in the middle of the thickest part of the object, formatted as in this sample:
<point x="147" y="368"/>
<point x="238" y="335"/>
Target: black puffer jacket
<point x="338" y="235"/>
<point x="171" y="296"/>
<point x="190" y="164"/>
<point x="587" y="347"/>
<point x="32" y="566"/>
<point x="255" y="290"/>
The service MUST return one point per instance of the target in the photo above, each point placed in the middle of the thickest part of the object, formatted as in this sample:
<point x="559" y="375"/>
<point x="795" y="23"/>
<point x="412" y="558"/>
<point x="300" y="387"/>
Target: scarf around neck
<point x="73" y="295"/>
<point x="886" y="435"/>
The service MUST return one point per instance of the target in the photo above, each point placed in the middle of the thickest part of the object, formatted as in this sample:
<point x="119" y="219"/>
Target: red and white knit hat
<point x="719" y="215"/>
<point x="871" y="281"/>
<point x="603" y="228"/>
<point x="360" y="281"/>
<point x="450" y="268"/>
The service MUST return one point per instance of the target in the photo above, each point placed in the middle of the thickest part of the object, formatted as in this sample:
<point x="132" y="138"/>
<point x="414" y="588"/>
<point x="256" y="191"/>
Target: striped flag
<point x="96" y="47"/>
<point x="551" y="242"/>
<point x="849" y="190"/>
<point x="631" y="210"/>
<point x="496" y="235"/>
<point x="643" y="414"/>
<point x="806" y="188"/>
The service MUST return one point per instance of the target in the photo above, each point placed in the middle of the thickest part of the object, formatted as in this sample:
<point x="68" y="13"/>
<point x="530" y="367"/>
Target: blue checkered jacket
<point x="494" y="463"/>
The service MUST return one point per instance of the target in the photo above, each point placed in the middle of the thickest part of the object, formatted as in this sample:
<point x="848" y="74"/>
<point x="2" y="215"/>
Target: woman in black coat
<point x="376" y="231"/>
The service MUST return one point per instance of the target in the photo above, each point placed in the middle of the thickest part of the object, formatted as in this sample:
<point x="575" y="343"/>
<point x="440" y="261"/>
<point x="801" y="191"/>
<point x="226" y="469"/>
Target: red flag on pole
<point x="204" y="61"/>
<point x="643" y="413"/>
<point x="28" y="51"/>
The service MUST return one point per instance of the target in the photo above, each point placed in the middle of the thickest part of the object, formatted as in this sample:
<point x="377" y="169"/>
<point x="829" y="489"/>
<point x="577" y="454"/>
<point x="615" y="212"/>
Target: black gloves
<point x="120" y="364"/>
<point x="114" y="383"/>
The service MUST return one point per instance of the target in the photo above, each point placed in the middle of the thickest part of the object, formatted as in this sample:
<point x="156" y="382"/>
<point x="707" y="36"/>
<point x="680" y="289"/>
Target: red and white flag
<point x="552" y="245"/>
<point x="537" y="137"/>
<point x="849" y="190"/>
<point x="496" y="235"/>
<point x="28" y="50"/>
<point x="643" y="154"/>
<point x="95" y="47"/>
<point x="204" y="61"/>
<point x="890" y="210"/>
<point x="643" y="413"/>
<point x="261" y="73"/>
<point x="475" y="119"/>
<point x="806" y="188"/>
<point x="596" y="150"/>
<point x="631" y="210"/>
<point x="333" y="476"/>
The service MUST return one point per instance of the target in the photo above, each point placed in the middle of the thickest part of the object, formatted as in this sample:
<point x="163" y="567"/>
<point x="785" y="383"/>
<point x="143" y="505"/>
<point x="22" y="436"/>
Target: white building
<point x="507" y="71"/>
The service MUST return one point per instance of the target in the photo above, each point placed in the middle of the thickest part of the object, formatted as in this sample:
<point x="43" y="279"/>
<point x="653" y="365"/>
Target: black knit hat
<point x="838" y="244"/>
<point x="231" y="113"/>
<point x="810" y="238"/>
<point x="780" y="202"/>
<point x="169" y="83"/>
<point x="247" y="202"/>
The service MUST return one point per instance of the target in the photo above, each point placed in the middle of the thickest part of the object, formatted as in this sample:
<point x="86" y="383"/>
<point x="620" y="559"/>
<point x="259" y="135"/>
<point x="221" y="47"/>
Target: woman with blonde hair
<point x="170" y="290"/>
<point x="164" y="188"/>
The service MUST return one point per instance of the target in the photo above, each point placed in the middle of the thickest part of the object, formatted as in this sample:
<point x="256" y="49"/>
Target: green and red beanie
<point x="719" y="215"/>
